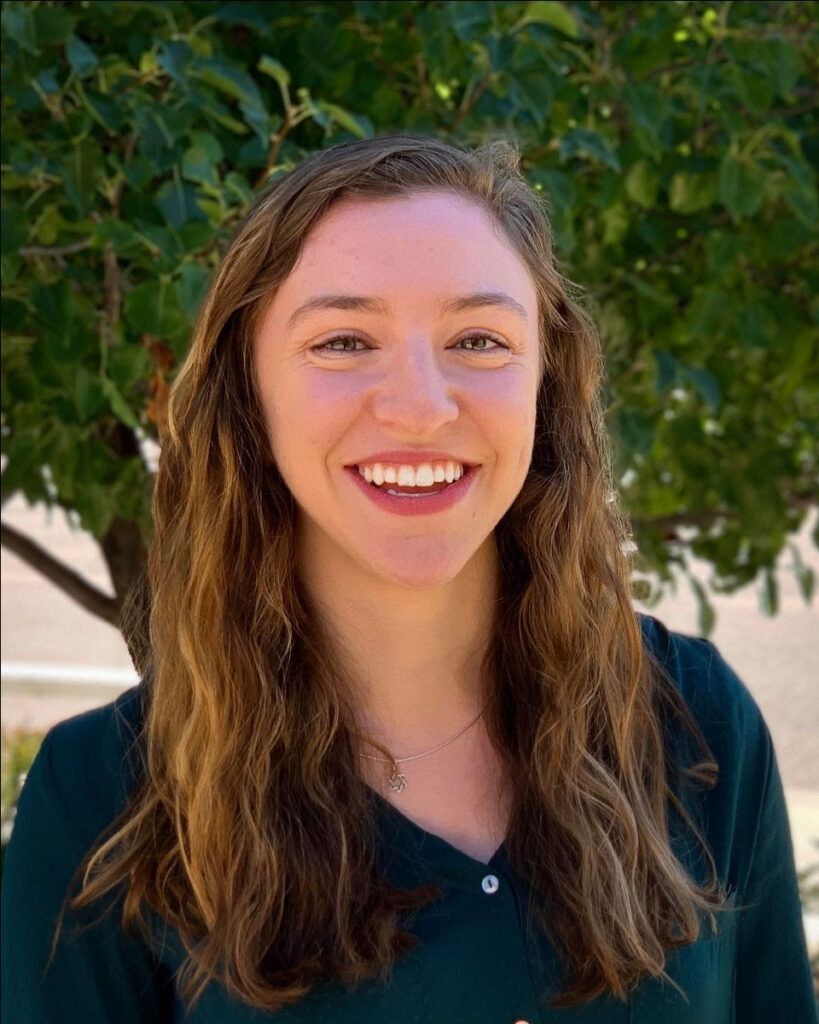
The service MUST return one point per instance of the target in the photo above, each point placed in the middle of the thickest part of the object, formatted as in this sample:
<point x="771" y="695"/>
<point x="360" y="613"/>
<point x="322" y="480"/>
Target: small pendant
<point x="398" y="782"/>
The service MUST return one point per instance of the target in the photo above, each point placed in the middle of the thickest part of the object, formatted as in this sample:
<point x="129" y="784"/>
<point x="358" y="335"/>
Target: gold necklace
<point x="397" y="780"/>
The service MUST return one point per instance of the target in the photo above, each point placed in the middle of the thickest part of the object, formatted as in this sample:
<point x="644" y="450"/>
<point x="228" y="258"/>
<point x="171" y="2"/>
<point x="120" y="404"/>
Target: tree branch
<point x="700" y="518"/>
<point x="293" y="116"/>
<point x="705" y="518"/>
<point x="113" y="297"/>
<point x="56" y="250"/>
<point x="71" y="583"/>
<point x="421" y="72"/>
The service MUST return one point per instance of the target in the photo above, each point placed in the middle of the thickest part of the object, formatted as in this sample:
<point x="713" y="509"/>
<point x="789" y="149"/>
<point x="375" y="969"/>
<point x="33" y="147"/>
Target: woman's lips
<point x="421" y="500"/>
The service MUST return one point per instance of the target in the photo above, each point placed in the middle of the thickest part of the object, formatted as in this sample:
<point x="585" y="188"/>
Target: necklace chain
<point x="397" y="780"/>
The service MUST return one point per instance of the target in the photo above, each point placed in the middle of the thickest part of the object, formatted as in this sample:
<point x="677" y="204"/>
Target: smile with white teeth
<point x="425" y="475"/>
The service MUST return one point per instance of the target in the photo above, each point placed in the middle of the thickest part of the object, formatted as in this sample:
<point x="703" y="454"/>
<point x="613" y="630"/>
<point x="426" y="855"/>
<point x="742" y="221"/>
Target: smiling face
<point x="408" y="326"/>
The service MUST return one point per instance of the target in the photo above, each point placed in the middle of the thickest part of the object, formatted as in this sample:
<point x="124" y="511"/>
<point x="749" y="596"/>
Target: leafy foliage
<point x="676" y="144"/>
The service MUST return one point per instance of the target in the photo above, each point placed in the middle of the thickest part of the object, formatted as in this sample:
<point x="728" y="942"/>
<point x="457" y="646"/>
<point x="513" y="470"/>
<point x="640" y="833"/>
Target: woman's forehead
<point x="437" y="243"/>
<point x="424" y="218"/>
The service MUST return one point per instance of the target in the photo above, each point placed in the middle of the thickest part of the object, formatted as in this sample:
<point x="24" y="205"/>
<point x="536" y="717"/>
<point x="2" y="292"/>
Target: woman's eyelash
<point x="476" y="336"/>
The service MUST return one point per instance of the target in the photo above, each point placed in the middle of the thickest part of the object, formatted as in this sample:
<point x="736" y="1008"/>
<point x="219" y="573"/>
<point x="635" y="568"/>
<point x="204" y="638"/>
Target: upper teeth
<point x="424" y="475"/>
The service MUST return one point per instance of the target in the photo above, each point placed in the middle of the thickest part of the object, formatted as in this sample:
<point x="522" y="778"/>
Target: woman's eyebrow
<point x="366" y="304"/>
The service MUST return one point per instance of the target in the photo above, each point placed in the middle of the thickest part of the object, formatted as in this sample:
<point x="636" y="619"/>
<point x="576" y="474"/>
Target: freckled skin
<point x="412" y="386"/>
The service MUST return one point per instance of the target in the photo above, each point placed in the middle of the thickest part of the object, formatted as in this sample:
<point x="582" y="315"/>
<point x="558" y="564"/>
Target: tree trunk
<point x="126" y="557"/>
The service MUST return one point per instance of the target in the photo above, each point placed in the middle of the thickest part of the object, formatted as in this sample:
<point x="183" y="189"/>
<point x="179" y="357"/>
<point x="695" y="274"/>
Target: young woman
<point x="403" y="751"/>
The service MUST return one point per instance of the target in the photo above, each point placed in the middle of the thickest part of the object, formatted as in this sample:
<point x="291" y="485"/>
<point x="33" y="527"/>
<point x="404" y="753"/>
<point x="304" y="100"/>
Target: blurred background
<point x="676" y="145"/>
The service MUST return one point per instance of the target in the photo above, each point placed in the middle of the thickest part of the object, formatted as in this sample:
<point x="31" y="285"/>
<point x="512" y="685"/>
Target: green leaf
<point x="139" y="172"/>
<point x="47" y="80"/>
<point x="18" y="24"/>
<point x="131" y="492"/>
<point x="96" y="505"/>
<point x="469" y="19"/>
<point x="192" y="284"/>
<point x="81" y="57"/>
<point x="22" y="472"/>
<point x="769" y="595"/>
<point x="800" y="191"/>
<point x="707" y="312"/>
<point x="689" y="193"/>
<point x="200" y="160"/>
<point x="588" y="144"/>
<point x="548" y="12"/>
<point x="197" y="234"/>
<point x="53" y="306"/>
<point x="237" y="186"/>
<point x="14" y="225"/>
<point x="13" y="316"/>
<point x="52" y="25"/>
<point x="10" y="264"/>
<point x="276" y="70"/>
<point x="648" y="110"/>
<point x="556" y="187"/>
<point x="705" y="383"/>
<point x="636" y="429"/>
<point x="49" y="225"/>
<point x="666" y="370"/>
<point x="616" y="221"/>
<point x="806" y="578"/>
<point x="173" y="57"/>
<point x="739" y="188"/>
<point x="755" y="90"/>
<point x="784" y="66"/>
<point x="805" y="575"/>
<point x="123" y="237"/>
<point x="707" y="616"/>
<point x="153" y="308"/>
<point x="643" y="184"/>
<point x="119" y="407"/>
<point x="82" y="170"/>
<point x="176" y="200"/>
<point x="254" y="15"/>
<point x="86" y="395"/>
<point x="228" y="77"/>
<point x="535" y="93"/>
<point x="222" y="117"/>
<point x="128" y="366"/>
<point x="359" y="126"/>
<point x="259" y="120"/>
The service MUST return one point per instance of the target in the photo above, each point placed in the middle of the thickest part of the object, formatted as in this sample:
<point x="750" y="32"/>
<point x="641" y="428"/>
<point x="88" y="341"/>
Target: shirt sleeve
<point x="99" y="974"/>
<point x="773" y="977"/>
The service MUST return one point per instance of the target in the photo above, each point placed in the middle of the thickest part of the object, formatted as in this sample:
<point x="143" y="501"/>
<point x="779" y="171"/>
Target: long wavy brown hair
<point x="249" y="829"/>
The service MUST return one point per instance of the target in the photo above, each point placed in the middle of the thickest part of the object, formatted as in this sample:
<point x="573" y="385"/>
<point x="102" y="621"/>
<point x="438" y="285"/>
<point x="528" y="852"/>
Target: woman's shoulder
<point x="718" y="699"/>
<point x="727" y="715"/>
<point x="748" y="787"/>
<point x="87" y="764"/>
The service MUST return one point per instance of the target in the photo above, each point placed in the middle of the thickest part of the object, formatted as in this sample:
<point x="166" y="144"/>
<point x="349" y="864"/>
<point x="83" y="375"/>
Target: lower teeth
<point x="404" y="494"/>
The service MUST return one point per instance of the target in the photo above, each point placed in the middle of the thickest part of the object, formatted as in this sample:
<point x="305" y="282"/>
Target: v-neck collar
<point x="412" y="856"/>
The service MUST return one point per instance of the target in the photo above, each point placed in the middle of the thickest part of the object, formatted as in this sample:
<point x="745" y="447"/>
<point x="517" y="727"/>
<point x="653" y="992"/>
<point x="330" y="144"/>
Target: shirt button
<point x="490" y="884"/>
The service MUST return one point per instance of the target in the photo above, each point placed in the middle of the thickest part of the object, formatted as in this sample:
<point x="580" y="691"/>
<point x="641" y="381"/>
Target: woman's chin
<point x="419" y="571"/>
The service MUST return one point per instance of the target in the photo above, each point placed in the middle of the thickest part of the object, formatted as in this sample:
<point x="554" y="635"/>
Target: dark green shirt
<point x="477" y="962"/>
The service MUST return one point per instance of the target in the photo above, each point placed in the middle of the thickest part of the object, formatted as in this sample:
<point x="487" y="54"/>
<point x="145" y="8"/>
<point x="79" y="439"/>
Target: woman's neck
<point x="414" y="657"/>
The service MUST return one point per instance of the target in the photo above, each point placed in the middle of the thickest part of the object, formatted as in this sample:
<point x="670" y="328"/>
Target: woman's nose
<point x="415" y="394"/>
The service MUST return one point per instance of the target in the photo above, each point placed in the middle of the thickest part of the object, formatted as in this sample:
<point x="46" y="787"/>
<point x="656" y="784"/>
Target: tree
<point x="675" y="144"/>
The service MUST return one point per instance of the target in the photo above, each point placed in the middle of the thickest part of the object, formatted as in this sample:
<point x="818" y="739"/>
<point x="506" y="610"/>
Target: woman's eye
<point x="482" y="338"/>
<point x="343" y="340"/>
